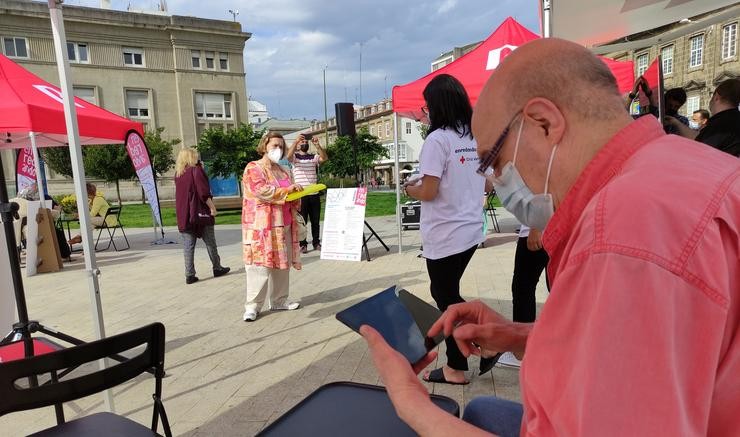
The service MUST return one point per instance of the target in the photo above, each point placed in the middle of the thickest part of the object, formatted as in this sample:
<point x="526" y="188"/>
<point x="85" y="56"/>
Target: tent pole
<point x="78" y="171"/>
<point x="398" y="182"/>
<point x="37" y="165"/>
<point x="546" y="11"/>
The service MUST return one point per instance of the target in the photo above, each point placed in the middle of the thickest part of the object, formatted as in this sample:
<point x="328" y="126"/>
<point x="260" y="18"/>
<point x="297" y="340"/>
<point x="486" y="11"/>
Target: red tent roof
<point x="474" y="68"/>
<point x="30" y="104"/>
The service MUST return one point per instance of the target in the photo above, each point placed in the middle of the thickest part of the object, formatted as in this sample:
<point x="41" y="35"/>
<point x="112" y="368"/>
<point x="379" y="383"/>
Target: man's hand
<point x="400" y="378"/>
<point x="476" y="327"/>
<point x="534" y="240"/>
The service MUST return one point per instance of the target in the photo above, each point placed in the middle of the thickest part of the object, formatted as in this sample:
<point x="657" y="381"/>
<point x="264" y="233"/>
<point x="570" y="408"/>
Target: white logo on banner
<point x="495" y="58"/>
<point x="54" y="94"/>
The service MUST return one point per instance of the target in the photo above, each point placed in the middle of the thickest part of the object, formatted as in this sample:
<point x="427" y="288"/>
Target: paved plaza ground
<point x="226" y="377"/>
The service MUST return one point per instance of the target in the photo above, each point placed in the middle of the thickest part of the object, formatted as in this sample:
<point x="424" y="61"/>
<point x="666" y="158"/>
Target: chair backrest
<point x="114" y="210"/>
<point x="14" y="397"/>
<point x="490" y="200"/>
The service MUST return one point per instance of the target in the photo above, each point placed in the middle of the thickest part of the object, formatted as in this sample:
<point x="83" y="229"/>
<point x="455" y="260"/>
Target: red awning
<point x="30" y="104"/>
<point x="474" y="68"/>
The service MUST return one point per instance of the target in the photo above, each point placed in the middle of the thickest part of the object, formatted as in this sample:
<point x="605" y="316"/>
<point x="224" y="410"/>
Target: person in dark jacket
<point x="722" y="130"/>
<point x="190" y="179"/>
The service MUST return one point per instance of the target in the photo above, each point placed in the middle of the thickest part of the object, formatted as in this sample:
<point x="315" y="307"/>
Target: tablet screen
<point x="389" y="315"/>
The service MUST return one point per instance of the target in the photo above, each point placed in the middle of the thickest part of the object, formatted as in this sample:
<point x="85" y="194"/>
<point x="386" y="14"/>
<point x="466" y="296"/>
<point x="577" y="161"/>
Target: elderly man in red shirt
<point x="641" y="332"/>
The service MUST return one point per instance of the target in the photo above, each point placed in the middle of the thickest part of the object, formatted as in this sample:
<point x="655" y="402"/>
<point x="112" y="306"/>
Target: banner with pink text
<point x="25" y="169"/>
<point x="139" y="155"/>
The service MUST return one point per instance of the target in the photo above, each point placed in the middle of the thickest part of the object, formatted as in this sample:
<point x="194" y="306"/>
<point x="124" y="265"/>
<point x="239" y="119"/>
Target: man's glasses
<point x="490" y="156"/>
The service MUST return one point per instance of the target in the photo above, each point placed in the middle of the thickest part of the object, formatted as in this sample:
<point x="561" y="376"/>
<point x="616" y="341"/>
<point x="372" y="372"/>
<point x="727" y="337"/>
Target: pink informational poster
<point x="139" y="155"/>
<point x="25" y="170"/>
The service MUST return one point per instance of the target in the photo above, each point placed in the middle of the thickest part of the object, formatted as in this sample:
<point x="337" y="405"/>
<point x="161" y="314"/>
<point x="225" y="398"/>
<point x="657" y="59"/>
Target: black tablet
<point x="400" y="317"/>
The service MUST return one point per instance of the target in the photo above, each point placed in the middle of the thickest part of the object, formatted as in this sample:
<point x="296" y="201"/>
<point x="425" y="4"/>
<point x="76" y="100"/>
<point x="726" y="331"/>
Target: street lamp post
<point x="234" y="13"/>
<point x="326" y="112"/>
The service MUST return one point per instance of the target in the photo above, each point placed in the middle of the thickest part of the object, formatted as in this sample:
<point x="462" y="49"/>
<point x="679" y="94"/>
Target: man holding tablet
<point x="640" y="335"/>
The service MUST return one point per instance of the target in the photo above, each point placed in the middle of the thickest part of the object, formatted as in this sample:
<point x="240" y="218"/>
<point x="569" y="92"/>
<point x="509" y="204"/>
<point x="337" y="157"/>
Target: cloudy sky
<point x="292" y="41"/>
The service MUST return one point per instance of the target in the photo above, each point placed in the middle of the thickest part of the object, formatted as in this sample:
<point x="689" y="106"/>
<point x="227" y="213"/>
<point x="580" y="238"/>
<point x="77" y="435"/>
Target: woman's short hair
<point x="262" y="147"/>
<point x="91" y="189"/>
<point x="448" y="104"/>
<point x="188" y="157"/>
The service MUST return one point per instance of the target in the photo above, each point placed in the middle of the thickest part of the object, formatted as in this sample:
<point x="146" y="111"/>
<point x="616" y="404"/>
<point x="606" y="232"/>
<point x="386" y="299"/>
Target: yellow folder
<point x="308" y="189"/>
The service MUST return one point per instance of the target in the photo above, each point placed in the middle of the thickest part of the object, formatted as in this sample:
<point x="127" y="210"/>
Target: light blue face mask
<point x="533" y="210"/>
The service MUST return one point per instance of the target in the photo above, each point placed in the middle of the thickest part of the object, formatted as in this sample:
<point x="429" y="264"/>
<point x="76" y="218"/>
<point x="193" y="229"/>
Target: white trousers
<point x="261" y="280"/>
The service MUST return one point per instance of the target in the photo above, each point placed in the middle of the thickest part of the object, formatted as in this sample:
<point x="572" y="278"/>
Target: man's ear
<point x="546" y="115"/>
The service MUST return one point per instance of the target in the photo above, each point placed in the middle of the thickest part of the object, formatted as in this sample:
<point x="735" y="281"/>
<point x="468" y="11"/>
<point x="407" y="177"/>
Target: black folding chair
<point x="15" y="397"/>
<point x="113" y="211"/>
<point x="491" y="210"/>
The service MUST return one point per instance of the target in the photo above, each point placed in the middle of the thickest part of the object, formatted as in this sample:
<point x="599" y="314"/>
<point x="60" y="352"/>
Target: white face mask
<point x="533" y="210"/>
<point x="275" y="155"/>
<point x="694" y="124"/>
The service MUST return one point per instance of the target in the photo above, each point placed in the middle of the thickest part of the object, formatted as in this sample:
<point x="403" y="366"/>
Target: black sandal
<point x="437" y="376"/>
<point x="486" y="364"/>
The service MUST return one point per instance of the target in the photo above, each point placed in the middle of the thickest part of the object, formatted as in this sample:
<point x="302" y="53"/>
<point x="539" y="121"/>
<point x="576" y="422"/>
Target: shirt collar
<point x="600" y="170"/>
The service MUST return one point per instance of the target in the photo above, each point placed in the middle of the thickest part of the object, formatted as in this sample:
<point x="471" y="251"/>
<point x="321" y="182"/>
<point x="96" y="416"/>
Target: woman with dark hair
<point x="450" y="191"/>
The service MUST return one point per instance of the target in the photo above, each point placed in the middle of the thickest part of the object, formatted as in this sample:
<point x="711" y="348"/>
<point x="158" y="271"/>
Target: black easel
<point x="372" y="234"/>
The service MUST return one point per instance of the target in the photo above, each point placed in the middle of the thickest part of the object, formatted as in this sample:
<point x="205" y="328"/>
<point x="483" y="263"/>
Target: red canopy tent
<point x="474" y="68"/>
<point x="30" y="104"/>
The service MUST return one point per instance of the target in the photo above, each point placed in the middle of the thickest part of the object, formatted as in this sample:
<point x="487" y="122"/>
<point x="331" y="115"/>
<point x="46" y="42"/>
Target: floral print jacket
<point x="263" y="234"/>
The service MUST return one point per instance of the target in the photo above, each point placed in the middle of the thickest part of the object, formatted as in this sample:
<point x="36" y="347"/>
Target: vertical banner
<point x="25" y="170"/>
<point x="140" y="159"/>
<point x="344" y="221"/>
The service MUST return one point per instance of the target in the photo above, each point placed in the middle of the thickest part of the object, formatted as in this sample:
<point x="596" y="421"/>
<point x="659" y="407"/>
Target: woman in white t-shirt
<point x="451" y="214"/>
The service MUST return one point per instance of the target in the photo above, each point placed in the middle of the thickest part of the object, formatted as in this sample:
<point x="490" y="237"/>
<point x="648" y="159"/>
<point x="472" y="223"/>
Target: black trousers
<point x="445" y="274"/>
<point x="528" y="267"/>
<point x="311" y="212"/>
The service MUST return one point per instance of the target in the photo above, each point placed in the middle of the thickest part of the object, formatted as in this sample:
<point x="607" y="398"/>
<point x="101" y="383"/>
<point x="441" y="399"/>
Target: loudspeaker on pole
<point x="345" y="115"/>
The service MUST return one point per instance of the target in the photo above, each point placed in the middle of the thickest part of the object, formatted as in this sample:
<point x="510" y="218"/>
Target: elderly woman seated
<point x="98" y="208"/>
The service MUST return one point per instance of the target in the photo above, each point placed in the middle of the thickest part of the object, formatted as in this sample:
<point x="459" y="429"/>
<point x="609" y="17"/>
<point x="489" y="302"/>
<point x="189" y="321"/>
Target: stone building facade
<point x="181" y="73"/>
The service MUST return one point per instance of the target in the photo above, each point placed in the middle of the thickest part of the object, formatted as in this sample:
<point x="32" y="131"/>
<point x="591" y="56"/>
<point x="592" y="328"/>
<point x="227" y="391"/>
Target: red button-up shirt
<point x="640" y="335"/>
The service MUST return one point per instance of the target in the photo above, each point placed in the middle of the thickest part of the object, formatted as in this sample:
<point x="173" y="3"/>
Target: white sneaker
<point x="250" y="315"/>
<point x="508" y="360"/>
<point x="287" y="306"/>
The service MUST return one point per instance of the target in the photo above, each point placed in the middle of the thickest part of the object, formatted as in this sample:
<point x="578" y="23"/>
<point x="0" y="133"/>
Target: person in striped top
<point x="305" y="167"/>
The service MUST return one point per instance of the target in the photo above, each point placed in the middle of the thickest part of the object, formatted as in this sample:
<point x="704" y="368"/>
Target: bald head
<point x="563" y="72"/>
<point x="553" y="95"/>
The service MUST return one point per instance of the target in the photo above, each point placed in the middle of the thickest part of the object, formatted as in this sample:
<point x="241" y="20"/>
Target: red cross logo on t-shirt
<point x="462" y="160"/>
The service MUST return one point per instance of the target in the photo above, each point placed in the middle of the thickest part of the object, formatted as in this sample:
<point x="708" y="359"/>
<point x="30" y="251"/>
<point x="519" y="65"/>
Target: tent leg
<point x="398" y="183"/>
<point x="78" y="171"/>
<point x="37" y="166"/>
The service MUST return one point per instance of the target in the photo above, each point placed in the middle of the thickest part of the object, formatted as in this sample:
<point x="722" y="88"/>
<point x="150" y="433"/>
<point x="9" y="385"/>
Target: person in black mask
<point x="674" y="100"/>
<point x="305" y="172"/>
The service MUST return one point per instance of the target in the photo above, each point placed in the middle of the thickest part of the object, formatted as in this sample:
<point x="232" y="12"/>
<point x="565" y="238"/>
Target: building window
<point x="391" y="151"/>
<point x="195" y="58"/>
<point x="408" y="128"/>
<point x="133" y="57"/>
<point x="642" y="63"/>
<point x="387" y="128"/>
<point x="86" y="93"/>
<point x="729" y="41"/>
<point x="666" y="55"/>
<point x="77" y="52"/>
<point x="696" y="45"/>
<point x="137" y="103"/>
<point x="223" y="60"/>
<point x="210" y="56"/>
<point x="402" y="152"/>
<point x="213" y="105"/>
<point x="15" y="47"/>
<point x="692" y="104"/>
<point x="372" y="129"/>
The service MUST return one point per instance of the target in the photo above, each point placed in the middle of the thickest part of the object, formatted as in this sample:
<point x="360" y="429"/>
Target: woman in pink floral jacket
<point x="270" y="242"/>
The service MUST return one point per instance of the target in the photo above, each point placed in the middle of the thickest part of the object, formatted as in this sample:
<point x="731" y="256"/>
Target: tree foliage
<point x="341" y="154"/>
<point x="227" y="152"/>
<point x="57" y="158"/>
<point x="160" y="150"/>
<point x="109" y="162"/>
